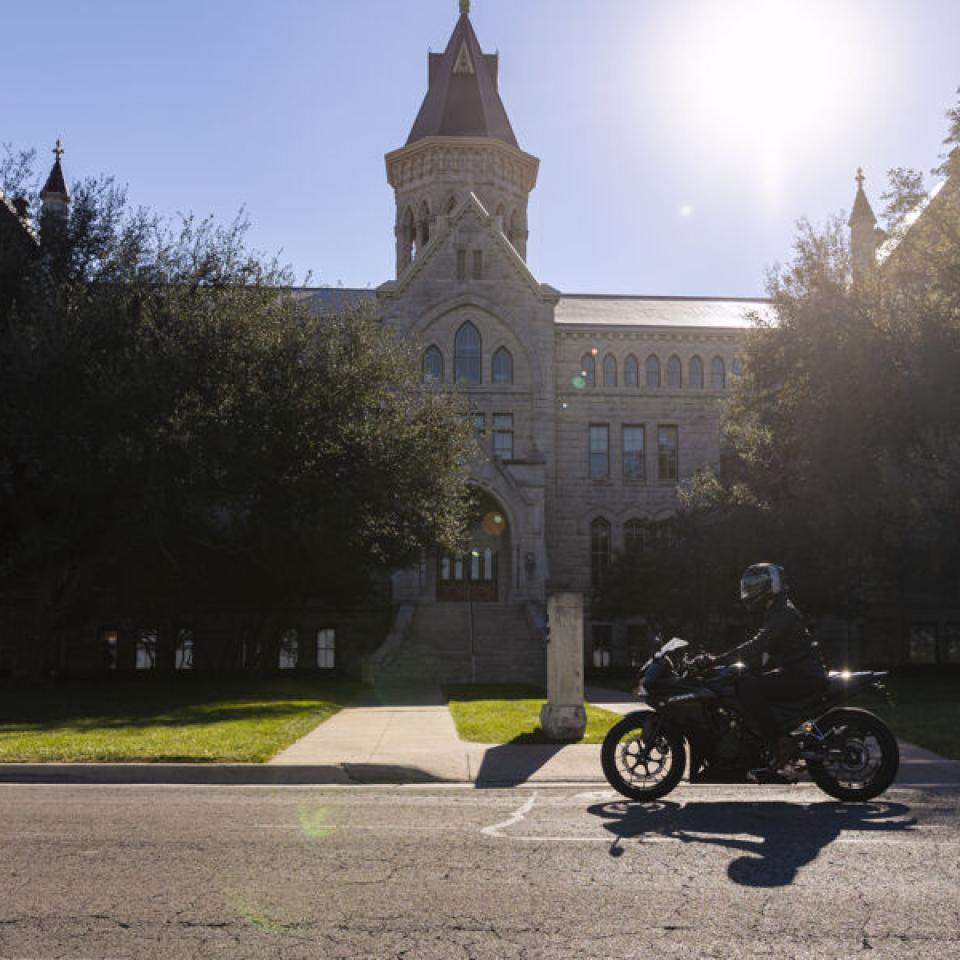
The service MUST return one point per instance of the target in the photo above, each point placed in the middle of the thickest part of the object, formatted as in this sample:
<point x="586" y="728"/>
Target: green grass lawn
<point x="188" y="721"/>
<point x="927" y="712"/>
<point x="501" y="713"/>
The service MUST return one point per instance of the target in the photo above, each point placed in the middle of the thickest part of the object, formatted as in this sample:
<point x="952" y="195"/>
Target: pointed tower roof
<point x="463" y="100"/>
<point x="861" y="205"/>
<point x="55" y="182"/>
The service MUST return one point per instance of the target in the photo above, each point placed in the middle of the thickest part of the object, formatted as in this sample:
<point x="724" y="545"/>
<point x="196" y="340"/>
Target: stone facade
<point x="461" y="185"/>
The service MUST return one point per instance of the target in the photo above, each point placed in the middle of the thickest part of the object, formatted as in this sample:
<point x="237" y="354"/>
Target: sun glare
<point x="761" y="83"/>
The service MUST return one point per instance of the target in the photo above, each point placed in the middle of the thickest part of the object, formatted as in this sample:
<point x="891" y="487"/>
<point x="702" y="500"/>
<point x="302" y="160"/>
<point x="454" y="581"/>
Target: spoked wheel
<point x="862" y="759"/>
<point x="639" y="768"/>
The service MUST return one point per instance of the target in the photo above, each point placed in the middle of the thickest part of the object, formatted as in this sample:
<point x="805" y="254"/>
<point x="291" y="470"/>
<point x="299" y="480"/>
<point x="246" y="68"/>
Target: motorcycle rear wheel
<point x="870" y="757"/>
<point x="640" y="770"/>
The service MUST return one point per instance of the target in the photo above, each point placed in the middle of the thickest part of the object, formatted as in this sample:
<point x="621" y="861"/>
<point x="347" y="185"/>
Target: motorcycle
<point x="849" y="753"/>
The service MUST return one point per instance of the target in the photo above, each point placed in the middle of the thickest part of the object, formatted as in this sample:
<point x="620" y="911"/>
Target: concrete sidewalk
<point x="420" y="743"/>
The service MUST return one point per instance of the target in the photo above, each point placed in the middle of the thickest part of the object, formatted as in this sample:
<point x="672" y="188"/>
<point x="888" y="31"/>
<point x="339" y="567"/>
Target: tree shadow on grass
<point x="775" y="838"/>
<point x="86" y="707"/>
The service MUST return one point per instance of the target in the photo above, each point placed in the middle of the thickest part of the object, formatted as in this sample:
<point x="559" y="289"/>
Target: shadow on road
<point x="513" y="764"/>
<point x="776" y="838"/>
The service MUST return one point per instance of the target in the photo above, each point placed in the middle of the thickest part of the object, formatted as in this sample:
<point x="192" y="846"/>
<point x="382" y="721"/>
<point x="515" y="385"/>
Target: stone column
<point x="563" y="717"/>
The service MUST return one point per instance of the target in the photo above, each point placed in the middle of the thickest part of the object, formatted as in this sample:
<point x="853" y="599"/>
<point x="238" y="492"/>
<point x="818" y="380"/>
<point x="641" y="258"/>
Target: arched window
<point x="631" y="372"/>
<point x="433" y="366"/>
<point x="424" y="225"/>
<point x="599" y="550"/>
<point x="674" y="372"/>
<point x="588" y="369"/>
<point x="696" y="373"/>
<point x="736" y="368"/>
<point x="514" y="234"/>
<point x="653" y="370"/>
<point x="718" y="373"/>
<point x="636" y="536"/>
<point x="408" y="237"/>
<point x="466" y="354"/>
<point x="609" y="370"/>
<point x="503" y="366"/>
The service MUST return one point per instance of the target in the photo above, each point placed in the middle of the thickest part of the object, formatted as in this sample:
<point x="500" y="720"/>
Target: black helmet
<point x="760" y="584"/>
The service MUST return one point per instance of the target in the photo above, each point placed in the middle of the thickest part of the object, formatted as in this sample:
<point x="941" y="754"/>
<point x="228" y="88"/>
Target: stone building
<point x="589" y="409"/>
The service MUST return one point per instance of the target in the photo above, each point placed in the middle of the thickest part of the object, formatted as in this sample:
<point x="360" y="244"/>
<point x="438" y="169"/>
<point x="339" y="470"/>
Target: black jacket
<point x="783" y="638"/>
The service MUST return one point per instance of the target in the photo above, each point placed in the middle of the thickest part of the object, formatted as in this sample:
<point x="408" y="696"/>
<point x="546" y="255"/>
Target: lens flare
<point x="493" y="523"/>
<point x="579" y="381"/>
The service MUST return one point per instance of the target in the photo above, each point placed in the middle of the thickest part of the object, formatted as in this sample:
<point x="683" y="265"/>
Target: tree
<point x="179" y="431"/>
<point x="847" y="423"/>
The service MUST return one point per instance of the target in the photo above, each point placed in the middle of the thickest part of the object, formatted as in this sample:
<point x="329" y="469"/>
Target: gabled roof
<point x="462" y="99"/>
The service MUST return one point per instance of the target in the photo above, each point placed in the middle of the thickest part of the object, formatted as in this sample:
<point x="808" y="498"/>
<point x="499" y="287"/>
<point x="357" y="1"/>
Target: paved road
<point x="450" y="872"/>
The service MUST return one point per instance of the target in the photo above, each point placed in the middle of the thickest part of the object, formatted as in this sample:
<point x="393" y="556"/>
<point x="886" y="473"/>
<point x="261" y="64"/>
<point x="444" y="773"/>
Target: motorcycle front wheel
<point x="862" y="759"/>
<point x="638" y="768"/>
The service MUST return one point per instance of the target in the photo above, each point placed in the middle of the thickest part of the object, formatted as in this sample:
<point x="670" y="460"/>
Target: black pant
<point x="758" y="693"/>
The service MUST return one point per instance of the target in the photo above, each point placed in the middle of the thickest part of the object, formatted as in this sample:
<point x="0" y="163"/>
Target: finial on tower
<point x="58" y="149"/>
<point x="464" y="8"/>
<point x="860" y="178"/>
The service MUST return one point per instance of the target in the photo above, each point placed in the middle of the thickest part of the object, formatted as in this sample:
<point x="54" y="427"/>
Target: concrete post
<point x="563" y="717"/>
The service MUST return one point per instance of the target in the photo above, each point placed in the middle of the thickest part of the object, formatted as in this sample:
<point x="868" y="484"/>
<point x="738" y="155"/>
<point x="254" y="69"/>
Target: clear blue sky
<point x="679" y="140"/>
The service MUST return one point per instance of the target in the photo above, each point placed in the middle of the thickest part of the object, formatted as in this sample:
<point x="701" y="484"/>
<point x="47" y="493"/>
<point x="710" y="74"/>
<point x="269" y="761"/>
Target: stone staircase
<point x="435" y="647"/>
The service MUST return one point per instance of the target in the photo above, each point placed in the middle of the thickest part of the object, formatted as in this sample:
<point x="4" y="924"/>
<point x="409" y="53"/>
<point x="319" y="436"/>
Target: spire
<point x="864" y="236"/>
<point x="54" y="197"/>
<point x="862" y="210"/>
<point x="463" y="100"/>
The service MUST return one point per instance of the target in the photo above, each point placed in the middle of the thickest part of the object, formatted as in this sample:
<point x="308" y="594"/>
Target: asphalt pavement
<point x="453" y="872"/>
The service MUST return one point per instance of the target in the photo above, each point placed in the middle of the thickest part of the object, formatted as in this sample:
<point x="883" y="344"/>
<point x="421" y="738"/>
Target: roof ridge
<point x="654" y="296"/>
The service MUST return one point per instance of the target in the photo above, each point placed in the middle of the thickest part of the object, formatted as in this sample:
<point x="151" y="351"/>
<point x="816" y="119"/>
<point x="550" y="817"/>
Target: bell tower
<point x="461" y="143"/>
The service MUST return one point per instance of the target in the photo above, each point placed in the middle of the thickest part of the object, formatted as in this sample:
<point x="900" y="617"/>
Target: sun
<point x="763" y="82"/>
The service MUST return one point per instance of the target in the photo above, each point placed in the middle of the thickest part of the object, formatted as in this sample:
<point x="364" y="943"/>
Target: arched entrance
<point x="481" y="574"/>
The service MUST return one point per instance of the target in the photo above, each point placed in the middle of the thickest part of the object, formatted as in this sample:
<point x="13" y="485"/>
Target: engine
<point x="734" y="747"/>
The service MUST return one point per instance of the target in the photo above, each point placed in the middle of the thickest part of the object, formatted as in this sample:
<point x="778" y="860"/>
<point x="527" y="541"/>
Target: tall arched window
<point x="466" y="354"/>
<point x="588" y="369"/>
<point x="514" y="234"/>
<point x="718" y="373"/>
<point x="696" y="373"/>
<point x="653" y="370"/>
<point x="433" y="366"/>
<point x="635" y="536"/>
<point x="424" y="225"/>
<point x="609" y="370"/>
<point x="599" y="550"/>
<point x="408" y="237"/>
<point x="736" y="368"/>
<point x="503" y="366"/>
<point x="631" y="372"/>
<point x="674" y="372"/>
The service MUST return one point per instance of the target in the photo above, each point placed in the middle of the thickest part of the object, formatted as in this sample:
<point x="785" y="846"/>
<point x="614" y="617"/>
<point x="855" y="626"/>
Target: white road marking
<point x="515" y="817"/>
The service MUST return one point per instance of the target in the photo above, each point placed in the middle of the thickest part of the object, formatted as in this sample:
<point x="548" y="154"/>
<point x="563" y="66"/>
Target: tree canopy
<point x="844" y="433"/>
<point x="179" y="430"/>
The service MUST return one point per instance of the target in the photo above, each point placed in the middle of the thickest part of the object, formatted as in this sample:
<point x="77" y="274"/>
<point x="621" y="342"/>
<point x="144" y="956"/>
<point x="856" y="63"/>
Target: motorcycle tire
<point x="615" y="749"/>
<point x="860" y="725"/>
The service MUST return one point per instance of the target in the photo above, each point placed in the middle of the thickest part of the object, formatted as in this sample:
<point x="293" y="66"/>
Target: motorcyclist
<point x="783" y="655"/>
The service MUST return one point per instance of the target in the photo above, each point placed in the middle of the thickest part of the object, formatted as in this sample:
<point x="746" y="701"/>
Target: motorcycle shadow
<point x="776" y="838"/>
